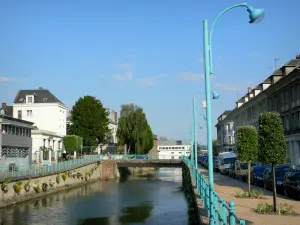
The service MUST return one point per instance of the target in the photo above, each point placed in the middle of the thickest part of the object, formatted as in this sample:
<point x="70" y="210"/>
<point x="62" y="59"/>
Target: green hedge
<point x="72" y="143"/>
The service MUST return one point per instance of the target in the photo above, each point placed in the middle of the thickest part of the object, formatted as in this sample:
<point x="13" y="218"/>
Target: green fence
<point x="223" y="212"/>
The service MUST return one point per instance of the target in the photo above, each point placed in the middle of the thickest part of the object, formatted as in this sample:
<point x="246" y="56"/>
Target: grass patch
<point x="283" y="209"/>
<point x="255" y="193"/>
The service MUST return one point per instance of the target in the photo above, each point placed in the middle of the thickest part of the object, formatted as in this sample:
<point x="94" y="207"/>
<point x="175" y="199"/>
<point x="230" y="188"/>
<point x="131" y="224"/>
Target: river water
<point x="151" y="200"/>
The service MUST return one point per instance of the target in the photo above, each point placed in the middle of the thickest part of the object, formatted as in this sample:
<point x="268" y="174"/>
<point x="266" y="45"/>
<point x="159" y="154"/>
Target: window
<point x="29" y="98"/>
<point x="19" y="114"/>
<point x="29" y="112"/>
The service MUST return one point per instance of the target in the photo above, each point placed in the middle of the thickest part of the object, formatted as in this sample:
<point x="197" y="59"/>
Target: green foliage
<point x="215" y="147"/>
<point x="58" y="178"/>
<point x="89" y="120"/>
<point x="247" y="143"/>
<point x="284" y="209"/>
<point x="64" y="176"/>
<point x="134" y="130"/>
<point x="271" y="142"/>
<point x="18" y="187"/>
<point x="72" y="143"/>
<point x="255" y="194"/>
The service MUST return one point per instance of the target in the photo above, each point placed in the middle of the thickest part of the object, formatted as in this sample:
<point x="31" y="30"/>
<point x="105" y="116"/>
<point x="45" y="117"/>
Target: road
<point x="227" y="188"/>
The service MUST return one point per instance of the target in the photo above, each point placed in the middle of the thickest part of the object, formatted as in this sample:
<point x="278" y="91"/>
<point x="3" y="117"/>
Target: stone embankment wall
<point x="187" y="185"/>
<point x="79" y="176"/>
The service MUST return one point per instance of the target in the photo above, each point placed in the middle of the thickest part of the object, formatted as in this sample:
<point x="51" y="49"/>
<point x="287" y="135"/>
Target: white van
<point x="225" y="159"/>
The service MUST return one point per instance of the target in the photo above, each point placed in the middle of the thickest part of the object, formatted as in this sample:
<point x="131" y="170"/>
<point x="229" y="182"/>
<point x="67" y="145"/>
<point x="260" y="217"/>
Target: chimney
<point x="116" y="117"/>
<point x="41" y="88"/>
<point x="249" y="90"/>
<point x="298" y="56"/>
<point x="3" y="105"/>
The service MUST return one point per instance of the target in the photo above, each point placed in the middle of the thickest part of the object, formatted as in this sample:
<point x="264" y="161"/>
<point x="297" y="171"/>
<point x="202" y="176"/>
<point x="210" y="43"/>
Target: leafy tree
<point x="215" y="147"/>
<point x="246" y="147"/>
<point x="89" y="121"/>
<point x="271" y="144"/>
<point x="134" y="130"/>
<point x="72" y="143"/>
<point x="163" y="138"/>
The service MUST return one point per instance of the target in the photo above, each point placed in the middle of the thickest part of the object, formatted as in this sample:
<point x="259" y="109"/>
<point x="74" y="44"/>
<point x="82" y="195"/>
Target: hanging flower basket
<point x="27" y="187"/>
<point x="4" y="187"/>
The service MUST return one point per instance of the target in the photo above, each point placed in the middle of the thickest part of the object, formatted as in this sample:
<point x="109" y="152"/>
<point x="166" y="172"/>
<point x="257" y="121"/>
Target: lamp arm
<point x="212" y="28"/>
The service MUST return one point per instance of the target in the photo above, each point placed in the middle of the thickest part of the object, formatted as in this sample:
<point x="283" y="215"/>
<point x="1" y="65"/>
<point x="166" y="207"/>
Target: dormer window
<point x="30" y="99"/>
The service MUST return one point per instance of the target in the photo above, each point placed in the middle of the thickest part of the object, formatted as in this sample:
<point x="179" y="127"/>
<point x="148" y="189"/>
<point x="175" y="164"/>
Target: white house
<point x="49" y="116"/>
<point x="172" y="149"/>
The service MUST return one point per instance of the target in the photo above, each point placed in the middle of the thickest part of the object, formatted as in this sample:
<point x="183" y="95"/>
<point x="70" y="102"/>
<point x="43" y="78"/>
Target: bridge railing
<point x="134" y="156"/>
<point x="38" y="169"/>
<point x="223" y="212"/>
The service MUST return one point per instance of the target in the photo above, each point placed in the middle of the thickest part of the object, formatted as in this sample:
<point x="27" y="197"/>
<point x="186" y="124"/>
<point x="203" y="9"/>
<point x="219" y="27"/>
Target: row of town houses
<point x="36" y="120"/>
<point x="279" y="92"/>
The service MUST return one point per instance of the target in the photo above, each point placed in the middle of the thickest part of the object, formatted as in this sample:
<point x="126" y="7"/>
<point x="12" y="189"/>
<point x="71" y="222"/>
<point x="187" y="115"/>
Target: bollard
<point x="231" y="213"/>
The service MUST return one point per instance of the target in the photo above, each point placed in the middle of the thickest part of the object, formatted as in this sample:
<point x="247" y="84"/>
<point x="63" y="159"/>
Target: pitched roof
<point x="40" y="96"/>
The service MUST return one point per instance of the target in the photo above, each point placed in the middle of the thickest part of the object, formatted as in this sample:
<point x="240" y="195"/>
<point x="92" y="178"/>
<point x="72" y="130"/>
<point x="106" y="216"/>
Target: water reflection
<point x="148" y="199"/>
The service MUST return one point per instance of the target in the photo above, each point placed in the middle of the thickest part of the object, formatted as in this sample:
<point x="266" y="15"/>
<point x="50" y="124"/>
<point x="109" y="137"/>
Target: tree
<point x="163" y="138"/>
<point x="246" y="147"/>
<point x="134" y="130"/>
<point x="271" y="144"/>
<point x="72" y="143"/>
<point x="215" y="147"/>
<point x="89" y="120"/>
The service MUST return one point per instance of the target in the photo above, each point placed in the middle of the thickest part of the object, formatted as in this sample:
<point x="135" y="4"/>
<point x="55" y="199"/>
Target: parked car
<point x="291" y="184"/>
<point x="280" y="172"/>
<point x="205" y="163"/>
<point x="216" y="164"/>
<point x="225" y="159"/>
<point x="231" y="171"/>
<point x="257" y="175"/>
<point x="241" y="170"/>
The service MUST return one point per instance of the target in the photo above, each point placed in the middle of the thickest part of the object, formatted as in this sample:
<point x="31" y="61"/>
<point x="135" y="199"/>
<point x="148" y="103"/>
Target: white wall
<point x="46" y="116"/>
<point x="113" y="129"/>
<point x="173" y="151"/>
<point x="38" y="141"/>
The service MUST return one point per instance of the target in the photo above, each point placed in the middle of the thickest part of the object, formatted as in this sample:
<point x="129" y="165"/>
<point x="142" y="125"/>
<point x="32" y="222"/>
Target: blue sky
<point x="144" y="52"/>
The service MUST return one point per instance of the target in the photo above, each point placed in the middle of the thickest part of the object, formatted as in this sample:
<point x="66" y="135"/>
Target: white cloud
<point x="126" y="66"/>
<point x="253" y="54"/>
<point x="9" y="80"/>
<point x="151" y="80"/>
<point x="125" y="76"/>
<point x="190" y="76"/>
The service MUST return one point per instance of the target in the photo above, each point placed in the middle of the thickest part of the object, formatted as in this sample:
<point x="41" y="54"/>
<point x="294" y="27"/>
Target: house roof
<point x="226" y="112"/>
<point x="8" y="110"/>
<point x="16" y="119"/>
<point x="40" y="96"/>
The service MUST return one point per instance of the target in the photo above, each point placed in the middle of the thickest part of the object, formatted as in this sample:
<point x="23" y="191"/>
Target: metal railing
<point x="223" y="212"/>
<point x="40" y="170"/>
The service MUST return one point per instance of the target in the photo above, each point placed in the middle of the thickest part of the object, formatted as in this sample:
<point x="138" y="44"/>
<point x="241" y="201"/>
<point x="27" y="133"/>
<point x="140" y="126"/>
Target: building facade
<point x="112" y="136"/>
<point x="225" y="133"/>
<point x="172" y="149"/>
<point x="49" y="116"/>
<point x="15" y="142"/>
<point x="280" y="92"/>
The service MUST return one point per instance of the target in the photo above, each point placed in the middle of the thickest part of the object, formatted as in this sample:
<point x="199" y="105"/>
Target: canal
<point x="152" y="199"/>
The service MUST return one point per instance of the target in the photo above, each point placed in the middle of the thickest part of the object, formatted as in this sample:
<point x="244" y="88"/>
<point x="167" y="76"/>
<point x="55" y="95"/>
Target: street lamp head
<point x="215" y="95"/>
<point x="255" y="15"/>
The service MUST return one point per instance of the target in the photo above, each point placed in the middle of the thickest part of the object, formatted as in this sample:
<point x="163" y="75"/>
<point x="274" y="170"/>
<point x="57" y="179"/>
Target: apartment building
<point x="280" y="92"/>
<point x="15" y="142"/>
<point x="49" y="116"/>
<point x="225" y="132"/>
<point x="170" y="149"/>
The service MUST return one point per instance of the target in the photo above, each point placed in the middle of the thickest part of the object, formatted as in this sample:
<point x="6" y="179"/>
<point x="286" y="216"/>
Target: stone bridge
<point x="149" y="162"/>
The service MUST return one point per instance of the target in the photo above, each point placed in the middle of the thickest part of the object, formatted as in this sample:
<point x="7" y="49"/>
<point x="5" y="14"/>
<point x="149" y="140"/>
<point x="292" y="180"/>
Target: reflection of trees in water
<point x="94" y="221"/>
<point x="136" y="214"/>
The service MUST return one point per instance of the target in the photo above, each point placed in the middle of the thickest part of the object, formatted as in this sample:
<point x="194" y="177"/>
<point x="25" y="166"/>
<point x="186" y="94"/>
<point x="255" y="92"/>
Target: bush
<point x="44" y="186"/>
<point x="64" y="176"/>
<point x="51" y="183"/>
<point x="36" y="187"/>
<point x="4" y="186"/>
<point x="283" y="209"/>
<point x="18" y="187"/>
<point x="255" y="193"/>
<point x="27" y="186"/>
<point x="58" y="178"/>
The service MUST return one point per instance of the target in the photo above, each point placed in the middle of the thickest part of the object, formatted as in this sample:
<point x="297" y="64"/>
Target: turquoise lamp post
<point x="255" y="16"/>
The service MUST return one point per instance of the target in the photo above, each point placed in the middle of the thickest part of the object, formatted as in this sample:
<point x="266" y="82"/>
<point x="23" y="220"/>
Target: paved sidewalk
<point x="227" y="188"/>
